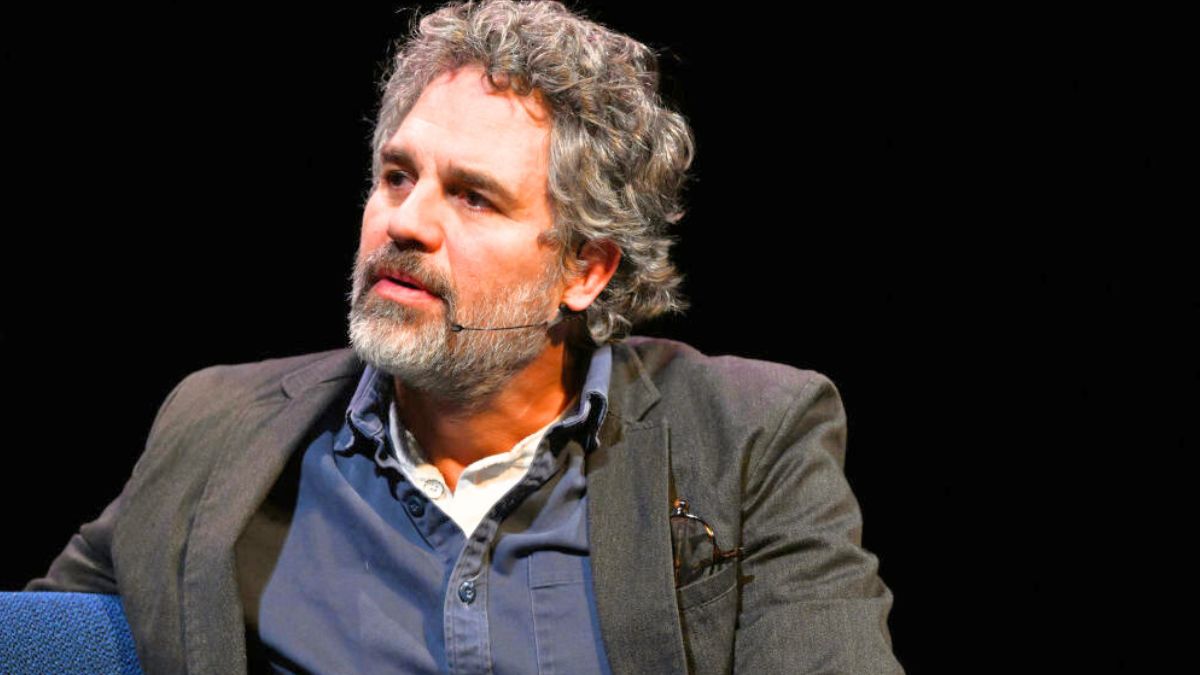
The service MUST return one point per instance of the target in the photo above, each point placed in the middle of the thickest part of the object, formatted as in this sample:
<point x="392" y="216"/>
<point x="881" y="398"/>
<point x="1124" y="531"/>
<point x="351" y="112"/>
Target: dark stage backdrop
<point x="962" y="219"/>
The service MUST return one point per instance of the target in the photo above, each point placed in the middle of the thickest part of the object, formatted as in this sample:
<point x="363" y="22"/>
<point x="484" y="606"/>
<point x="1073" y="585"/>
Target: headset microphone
<point x="564" y="313"/>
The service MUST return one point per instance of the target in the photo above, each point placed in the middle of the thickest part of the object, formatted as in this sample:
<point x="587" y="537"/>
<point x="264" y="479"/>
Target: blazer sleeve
<point x="812" y="600"/>
<point x="85" y="564"/>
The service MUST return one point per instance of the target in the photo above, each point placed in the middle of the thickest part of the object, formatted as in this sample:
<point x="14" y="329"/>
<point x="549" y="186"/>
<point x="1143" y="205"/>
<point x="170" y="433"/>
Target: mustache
<point x="414" y="264"/>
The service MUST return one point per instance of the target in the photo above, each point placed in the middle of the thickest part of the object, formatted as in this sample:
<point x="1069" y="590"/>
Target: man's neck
<point x="453" y="437"/>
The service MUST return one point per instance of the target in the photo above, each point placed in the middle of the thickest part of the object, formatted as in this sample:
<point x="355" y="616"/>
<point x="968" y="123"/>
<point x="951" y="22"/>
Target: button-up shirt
<point x="375" y="577"/>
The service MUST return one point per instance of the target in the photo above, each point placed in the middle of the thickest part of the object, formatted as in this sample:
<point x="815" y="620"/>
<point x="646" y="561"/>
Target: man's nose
<point x="417" y="221"/>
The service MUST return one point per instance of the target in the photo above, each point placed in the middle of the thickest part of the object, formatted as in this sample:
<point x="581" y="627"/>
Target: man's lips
<point x="402" y="287"/>
<point x="403" y="279"/>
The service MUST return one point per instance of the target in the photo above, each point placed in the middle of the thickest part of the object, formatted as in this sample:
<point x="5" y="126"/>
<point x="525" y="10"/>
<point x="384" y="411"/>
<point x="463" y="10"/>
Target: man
<point x="492" y="479"/>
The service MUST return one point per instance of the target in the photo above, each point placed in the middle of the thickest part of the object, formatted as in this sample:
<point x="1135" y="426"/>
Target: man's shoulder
<point x="699" y="389"/>
<point x="252" y="381"/>
<point x="674" y="364"/>
<point x="718" y="403"/>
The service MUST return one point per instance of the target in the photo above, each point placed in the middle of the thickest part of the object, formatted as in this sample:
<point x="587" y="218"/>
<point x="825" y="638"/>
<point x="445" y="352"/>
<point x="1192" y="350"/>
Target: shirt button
<point x="434" y="488"/>
<point x="415" y="506"/>
<point x="466" y="591"/>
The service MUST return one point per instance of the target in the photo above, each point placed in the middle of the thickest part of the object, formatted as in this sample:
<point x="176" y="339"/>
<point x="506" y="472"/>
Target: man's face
<point x="453" y="233"/>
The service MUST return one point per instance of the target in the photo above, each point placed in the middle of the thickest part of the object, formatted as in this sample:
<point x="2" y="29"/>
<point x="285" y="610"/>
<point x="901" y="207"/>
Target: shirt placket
<point x="466" y="624"/>
<point x="468" y="643"/>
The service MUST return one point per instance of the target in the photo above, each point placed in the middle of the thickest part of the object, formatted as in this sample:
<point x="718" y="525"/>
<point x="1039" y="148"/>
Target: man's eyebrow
<point x="395" y="156"/>
<point x="478" y="181"/>
<point x="455" y="174"/>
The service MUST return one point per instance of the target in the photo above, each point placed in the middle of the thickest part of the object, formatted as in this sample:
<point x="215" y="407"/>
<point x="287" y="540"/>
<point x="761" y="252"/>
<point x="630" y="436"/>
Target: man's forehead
<point x="461" y="120"/>
<point x="460" y="105"/>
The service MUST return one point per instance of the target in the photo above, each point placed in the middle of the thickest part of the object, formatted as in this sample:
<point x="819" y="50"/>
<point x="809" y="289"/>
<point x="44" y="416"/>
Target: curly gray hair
<point x="618" y="156"/>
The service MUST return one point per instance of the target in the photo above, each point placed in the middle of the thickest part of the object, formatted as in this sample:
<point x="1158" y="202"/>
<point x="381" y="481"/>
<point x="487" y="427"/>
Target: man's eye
<point x="395" y="178"/>
<point x="476" y="200"/>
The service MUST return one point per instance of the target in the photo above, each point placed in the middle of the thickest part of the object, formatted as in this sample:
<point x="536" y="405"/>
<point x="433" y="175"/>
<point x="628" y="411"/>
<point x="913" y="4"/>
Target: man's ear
<point x="595" y="265"/>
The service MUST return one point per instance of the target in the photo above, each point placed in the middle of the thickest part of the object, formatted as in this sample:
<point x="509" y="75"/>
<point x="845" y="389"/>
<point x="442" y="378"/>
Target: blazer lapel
<point x="266" y="435"/>
<point x="629" y="530"/>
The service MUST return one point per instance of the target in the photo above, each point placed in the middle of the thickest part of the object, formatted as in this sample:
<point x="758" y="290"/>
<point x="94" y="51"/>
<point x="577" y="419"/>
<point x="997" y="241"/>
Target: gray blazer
<point x="757" y="448"/>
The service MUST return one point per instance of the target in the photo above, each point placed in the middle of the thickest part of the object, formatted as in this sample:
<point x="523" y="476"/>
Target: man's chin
<point x="377" y="329"/>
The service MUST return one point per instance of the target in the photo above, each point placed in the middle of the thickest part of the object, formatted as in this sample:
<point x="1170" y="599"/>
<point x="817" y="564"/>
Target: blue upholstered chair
<point x="65" y="633"/>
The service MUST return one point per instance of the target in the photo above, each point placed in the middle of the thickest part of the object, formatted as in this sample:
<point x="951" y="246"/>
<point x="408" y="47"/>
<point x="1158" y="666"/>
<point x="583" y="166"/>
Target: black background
<point x="967" y="221"/>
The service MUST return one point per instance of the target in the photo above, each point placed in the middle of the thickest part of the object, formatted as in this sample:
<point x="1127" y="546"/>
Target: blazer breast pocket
<point x="707" y="588"/>
<point x="708" y="616"/>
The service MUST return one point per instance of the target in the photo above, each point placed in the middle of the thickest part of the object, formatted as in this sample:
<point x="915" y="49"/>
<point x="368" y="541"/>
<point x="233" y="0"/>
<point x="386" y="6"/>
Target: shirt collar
<point x="593" y="398"/>
<point x="367" y="413"/>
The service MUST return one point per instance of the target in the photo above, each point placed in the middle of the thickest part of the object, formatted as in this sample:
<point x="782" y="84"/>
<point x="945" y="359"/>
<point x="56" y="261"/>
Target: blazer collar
<point x="631" y="391"/>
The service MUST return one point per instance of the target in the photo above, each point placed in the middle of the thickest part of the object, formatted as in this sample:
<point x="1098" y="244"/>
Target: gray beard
<point x="464" y="369"/>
